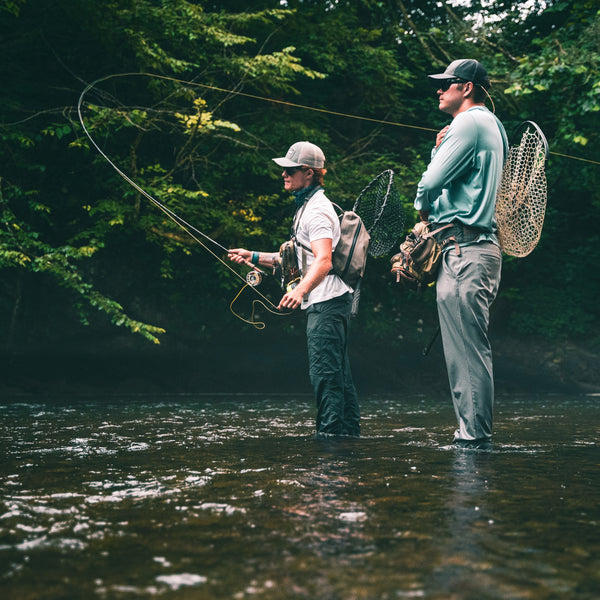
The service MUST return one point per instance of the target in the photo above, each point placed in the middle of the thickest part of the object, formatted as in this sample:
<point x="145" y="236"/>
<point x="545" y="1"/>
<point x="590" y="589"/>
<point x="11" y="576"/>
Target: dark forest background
<point x="99" y="290"/>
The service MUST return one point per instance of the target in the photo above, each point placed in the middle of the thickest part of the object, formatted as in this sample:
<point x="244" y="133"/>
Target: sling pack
<point x="349" y="259"/>
<point x="350" y="256"/>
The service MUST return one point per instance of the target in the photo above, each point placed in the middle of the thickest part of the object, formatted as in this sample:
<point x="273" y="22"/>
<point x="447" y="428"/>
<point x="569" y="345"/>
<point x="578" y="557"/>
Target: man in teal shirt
<point x="459" y="187"/>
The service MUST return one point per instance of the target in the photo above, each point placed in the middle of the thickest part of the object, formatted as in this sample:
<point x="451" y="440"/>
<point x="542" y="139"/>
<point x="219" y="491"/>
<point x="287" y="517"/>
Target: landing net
<point x="521" y="198"/>
<point x="380" y="207"/>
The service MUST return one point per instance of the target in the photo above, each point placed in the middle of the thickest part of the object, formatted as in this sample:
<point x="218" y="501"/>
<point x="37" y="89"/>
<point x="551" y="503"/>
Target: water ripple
<point x="233" y="497"/>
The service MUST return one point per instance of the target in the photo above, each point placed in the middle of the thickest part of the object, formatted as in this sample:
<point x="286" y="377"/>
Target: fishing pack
<point x="350" y="255"/>
<point x="420" y="256"/>
<point x="418" y="261"/>
<point x="349" y="259"/>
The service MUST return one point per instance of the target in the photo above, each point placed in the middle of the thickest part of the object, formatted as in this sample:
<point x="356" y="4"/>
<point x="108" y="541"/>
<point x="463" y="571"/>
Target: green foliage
<point x="550" y="312"/>
<point x="21" y="248"/>
<point x="11" y="6"/>
<point x="204" y="153"/>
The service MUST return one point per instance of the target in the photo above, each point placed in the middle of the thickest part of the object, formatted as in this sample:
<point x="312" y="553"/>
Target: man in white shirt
<point x="326" y="299"/>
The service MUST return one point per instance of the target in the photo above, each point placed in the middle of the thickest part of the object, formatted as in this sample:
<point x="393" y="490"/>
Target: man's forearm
<point x="317" y="271"/>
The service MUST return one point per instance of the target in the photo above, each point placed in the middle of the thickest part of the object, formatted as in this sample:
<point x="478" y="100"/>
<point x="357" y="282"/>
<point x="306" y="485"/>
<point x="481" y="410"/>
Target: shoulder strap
<point x="299" y="213"/>
<point x="502" y="135"/>
<point x="297" y="217"/>
<point x="340" y="210"/>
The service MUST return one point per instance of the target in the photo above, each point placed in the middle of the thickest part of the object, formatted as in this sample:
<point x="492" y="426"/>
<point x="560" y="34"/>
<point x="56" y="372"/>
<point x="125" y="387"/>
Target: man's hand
<point x="420" y="227"/>
<point x="291" y="300"/>
<point x="241" y="256"/>
<point x="440" y="136"/>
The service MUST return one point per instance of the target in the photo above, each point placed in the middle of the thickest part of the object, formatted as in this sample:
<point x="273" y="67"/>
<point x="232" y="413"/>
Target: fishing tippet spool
<point x="254" y="278"/>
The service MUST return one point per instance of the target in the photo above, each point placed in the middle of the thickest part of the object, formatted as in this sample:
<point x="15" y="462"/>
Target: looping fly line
<point x="184" y="225"/>
<point x="189" y="229"/>
<point x="300" y="106"/>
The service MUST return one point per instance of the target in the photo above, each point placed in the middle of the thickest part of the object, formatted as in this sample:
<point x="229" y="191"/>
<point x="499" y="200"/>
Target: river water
<point x="232" y="497"/>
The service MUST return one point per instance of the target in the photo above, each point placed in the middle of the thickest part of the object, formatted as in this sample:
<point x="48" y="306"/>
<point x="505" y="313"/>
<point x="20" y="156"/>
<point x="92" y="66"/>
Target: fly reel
<point x="254" y="278"/>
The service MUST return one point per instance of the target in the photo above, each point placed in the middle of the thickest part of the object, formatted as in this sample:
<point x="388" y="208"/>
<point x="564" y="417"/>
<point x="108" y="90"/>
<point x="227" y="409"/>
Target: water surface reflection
<point x="232" y="497"/>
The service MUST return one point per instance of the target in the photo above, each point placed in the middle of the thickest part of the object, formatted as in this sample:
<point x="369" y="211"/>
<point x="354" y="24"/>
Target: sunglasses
<point x="291" y="171"/>
<point x="446" y="83"/>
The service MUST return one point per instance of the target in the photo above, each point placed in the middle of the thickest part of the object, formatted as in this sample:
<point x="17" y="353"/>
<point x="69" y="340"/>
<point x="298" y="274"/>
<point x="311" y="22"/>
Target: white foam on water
<point x="138" y="446"/>
<point x="34" y="543"/>
<point x="293" y="482"/>
<point x="353" y="517"/>
<point x="136" y="493"/>
<point x="221" y="508"/>
<point x="29" y="529"/>
<point x="181" y="579"/>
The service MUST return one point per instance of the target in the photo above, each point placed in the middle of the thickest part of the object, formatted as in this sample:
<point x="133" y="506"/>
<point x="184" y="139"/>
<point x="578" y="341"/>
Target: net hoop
<point x="522" y="193"/>
<point x="379" y="205"/>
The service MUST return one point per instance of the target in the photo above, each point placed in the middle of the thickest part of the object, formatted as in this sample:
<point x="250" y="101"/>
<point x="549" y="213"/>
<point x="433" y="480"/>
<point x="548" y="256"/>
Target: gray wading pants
<point x="466" y="287"/>
<point x="327" y="329"/>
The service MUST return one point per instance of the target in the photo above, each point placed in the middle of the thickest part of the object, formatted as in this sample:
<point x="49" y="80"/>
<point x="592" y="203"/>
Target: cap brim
<point x="286" y="162"/>
<point x="440" y="76"/>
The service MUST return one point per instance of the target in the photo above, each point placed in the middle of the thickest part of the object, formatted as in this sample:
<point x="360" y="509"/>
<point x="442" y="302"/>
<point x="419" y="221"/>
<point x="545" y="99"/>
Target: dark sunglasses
<point x="446" y="83"/>
<point x="291" y="171"/>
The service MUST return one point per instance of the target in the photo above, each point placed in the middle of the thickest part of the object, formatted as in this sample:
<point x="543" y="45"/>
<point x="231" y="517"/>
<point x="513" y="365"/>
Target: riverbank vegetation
<point x="191" y="100"/>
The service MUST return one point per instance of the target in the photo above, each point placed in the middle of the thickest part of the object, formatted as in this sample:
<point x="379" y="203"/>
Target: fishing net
<point x="380" y="208"/>
<point x="521" y="198"/>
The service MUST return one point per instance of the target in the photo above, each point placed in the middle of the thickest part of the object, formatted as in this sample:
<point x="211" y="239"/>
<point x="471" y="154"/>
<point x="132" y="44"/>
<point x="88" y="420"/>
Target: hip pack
<point x="420" y="256"/>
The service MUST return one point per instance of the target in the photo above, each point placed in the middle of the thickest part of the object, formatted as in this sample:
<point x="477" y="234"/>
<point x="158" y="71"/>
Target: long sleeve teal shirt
<point x="462" y="178"/>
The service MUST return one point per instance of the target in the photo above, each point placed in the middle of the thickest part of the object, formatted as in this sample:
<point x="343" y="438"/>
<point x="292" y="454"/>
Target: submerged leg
<point x="466" y="288"/>
<point x="329" y="367"/>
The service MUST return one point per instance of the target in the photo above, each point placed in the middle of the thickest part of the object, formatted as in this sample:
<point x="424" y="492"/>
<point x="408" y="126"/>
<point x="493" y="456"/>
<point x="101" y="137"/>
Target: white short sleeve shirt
<point x="319" y="221"/>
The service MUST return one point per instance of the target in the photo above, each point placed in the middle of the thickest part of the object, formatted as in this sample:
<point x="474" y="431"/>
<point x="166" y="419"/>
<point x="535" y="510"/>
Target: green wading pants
<point x="466" y="287"/>
<point x="327" y="329"/>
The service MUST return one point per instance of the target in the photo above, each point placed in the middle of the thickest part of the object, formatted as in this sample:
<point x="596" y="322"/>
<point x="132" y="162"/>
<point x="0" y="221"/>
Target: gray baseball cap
<point x="467" y="69"/>
<point x="302" y="153"/>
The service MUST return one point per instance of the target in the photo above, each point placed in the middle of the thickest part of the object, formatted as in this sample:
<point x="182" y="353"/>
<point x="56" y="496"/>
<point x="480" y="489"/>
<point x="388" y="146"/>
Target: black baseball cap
<point x="467" y="69"/>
